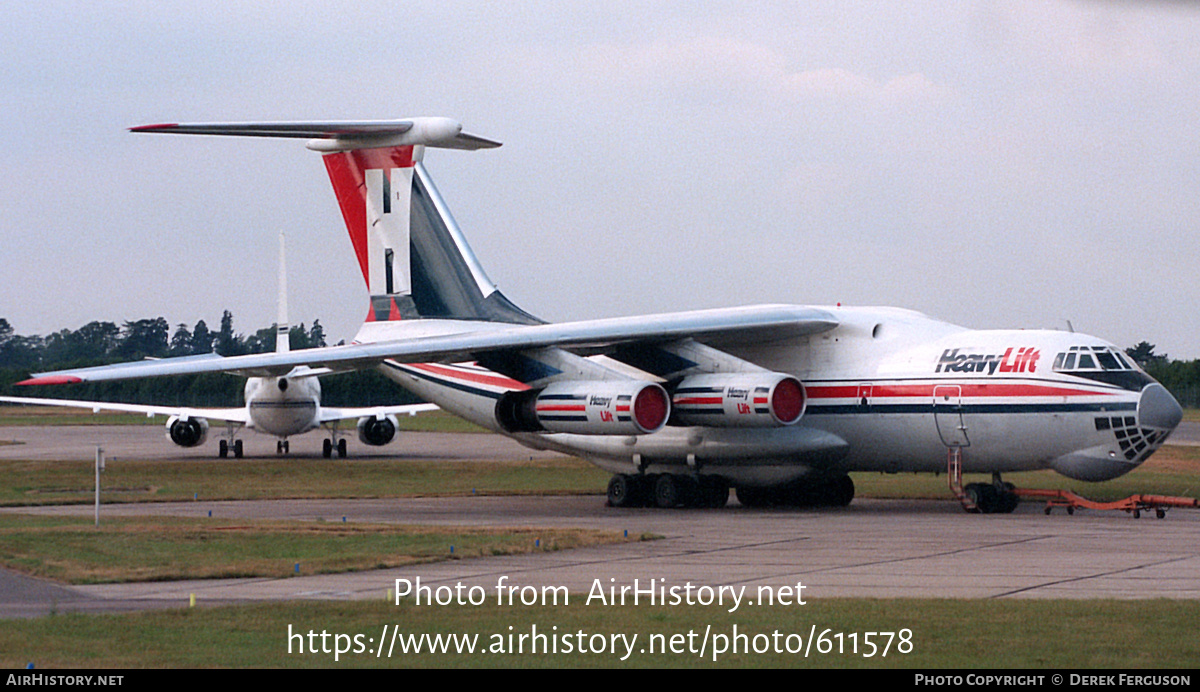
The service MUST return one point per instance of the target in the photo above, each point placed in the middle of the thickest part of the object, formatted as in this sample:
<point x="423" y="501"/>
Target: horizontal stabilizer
<point x="342" y="135"/>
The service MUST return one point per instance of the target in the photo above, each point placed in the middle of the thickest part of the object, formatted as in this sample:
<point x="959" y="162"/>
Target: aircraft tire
<point x="1008" y="501"/>
<point x="624" y="491"/>
<point x="222" y="449"/>
<point x="752" y="497"/>
<point x="327" y="448"/>
<point x="714" y="492"/>
<point x="237" y="449"/>
<point x="667" y="493"/>
<point x="690" y="494"/>
<point x="341" y="448"/>
<point x="975" y="494"/>
<point x="841" y="491"/>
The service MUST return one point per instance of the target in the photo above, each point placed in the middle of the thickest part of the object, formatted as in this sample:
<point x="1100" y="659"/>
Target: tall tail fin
<point x="414" y="259"/>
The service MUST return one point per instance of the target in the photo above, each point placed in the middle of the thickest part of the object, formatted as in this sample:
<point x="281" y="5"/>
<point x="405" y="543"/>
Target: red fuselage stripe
<point x="477" y="378"/>
<point x="972" y="390"/>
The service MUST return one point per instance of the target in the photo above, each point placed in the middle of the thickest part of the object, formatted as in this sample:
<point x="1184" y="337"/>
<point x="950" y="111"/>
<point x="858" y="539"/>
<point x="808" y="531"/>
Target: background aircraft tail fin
<point x="283" y="342"/>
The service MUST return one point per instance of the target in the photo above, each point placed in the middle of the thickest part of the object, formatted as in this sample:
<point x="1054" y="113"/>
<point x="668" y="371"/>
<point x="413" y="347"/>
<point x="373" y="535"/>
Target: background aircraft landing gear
<point x="281" y="447"/>
<point x="328" y="446"/>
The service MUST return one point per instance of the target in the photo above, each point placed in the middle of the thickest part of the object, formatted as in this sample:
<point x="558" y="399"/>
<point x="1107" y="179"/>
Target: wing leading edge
<point x="720" y="326"/>
<point x="329" y="415"/>
<point x="230" y="415"/>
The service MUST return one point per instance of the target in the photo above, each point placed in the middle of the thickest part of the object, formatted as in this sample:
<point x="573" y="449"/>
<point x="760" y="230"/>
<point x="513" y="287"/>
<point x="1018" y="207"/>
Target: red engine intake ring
<point x="787" y="401"/>
<point x="651" y="408"/>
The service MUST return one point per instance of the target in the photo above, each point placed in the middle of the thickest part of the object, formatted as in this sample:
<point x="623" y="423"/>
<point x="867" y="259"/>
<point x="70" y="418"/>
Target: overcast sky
<point x="993" y="164"/>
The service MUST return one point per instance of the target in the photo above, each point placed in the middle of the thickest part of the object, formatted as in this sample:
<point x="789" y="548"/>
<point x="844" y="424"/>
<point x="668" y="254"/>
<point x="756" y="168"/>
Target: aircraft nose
<point x="1158" y="409"/>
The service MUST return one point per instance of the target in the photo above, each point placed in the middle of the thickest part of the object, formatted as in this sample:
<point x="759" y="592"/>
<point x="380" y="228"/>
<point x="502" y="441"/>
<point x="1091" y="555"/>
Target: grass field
<point x="72" y="550"/>
<point x="968" y="635"/>
<point x="43" y="482"/>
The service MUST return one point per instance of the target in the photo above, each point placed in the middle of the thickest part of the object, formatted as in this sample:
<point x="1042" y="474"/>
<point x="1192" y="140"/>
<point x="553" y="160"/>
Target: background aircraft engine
<point x="187" y="432"/>
<point x="376" y="431"/>
<point x="617" y="407"/>
<point x="743" y="400"/>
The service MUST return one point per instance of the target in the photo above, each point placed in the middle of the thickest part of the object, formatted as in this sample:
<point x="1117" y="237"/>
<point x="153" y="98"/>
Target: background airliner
<point x="781" y="402"/>
<point x="282" y="406"/>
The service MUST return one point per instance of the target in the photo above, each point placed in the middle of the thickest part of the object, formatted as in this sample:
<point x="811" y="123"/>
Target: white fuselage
<point x="282" y="406"/>
<point x="888" y="390"/>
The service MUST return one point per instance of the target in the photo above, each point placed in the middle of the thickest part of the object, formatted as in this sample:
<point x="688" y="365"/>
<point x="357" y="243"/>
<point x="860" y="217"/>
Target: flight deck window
<point x="1104" y="364"/>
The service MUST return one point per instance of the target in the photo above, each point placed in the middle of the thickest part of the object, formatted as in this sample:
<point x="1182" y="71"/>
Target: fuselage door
<point x="948" y="415"/>
<point x="864" y="396"/>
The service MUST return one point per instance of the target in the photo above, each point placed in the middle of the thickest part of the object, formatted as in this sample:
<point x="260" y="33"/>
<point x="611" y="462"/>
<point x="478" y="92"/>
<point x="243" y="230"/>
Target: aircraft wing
<point x="328" y="415"/>
<point x="232" y="415"/>
<point x="718" y="327"/>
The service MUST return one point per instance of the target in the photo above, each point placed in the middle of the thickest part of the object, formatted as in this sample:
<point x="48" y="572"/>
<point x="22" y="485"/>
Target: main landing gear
<point x="281" y="447"/>
<point x="224" y="448"/>
<point x="832" y="490"/>
<point x="328" y="447"/>
<point x="678" y="490"/>
<point x="667" y="491"/>
<point x="228" y="443"/>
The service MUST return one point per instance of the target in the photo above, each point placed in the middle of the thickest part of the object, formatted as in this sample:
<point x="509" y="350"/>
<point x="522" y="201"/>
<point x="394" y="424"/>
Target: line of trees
<point x="1180" y="377"/>
<point x="101" y="343"/>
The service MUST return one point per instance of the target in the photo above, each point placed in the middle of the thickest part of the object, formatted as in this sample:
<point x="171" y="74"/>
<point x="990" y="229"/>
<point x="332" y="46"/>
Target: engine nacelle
<point x="376" y="431"/>
<point x="738" y="400"/>
<point x="602" y="407"/>
<point x="186" y="431"/>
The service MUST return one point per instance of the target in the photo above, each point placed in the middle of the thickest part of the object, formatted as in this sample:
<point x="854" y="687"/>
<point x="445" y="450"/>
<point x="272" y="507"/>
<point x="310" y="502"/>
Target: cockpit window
<point x="1091" y="358"/>
<point x="1103" y="364"/>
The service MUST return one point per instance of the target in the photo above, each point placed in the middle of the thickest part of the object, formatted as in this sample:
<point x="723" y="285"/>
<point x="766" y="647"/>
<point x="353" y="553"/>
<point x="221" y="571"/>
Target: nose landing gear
<point x="996" y="497"/>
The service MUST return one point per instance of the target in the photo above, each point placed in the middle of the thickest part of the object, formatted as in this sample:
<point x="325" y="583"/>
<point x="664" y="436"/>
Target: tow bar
<point x="1135" y="504"/>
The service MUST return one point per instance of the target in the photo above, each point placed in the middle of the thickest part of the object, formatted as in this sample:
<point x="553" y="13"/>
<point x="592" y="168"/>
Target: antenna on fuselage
<point x="1070" y="327"/>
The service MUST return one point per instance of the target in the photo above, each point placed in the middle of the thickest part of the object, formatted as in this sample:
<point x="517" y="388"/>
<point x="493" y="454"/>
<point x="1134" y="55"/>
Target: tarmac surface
<point x="874" y="548"/>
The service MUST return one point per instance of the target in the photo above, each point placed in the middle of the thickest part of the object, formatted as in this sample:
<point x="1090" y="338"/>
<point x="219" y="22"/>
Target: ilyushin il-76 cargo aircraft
<point x="780" y="402"/>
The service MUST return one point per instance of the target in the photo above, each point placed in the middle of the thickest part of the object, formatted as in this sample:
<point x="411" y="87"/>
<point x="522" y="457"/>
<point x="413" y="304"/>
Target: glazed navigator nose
<point x="1158" y="409"/>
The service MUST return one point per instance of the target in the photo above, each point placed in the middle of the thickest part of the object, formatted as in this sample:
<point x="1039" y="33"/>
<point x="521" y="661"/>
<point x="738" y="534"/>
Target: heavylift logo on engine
<point x="1012" y="360"/>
